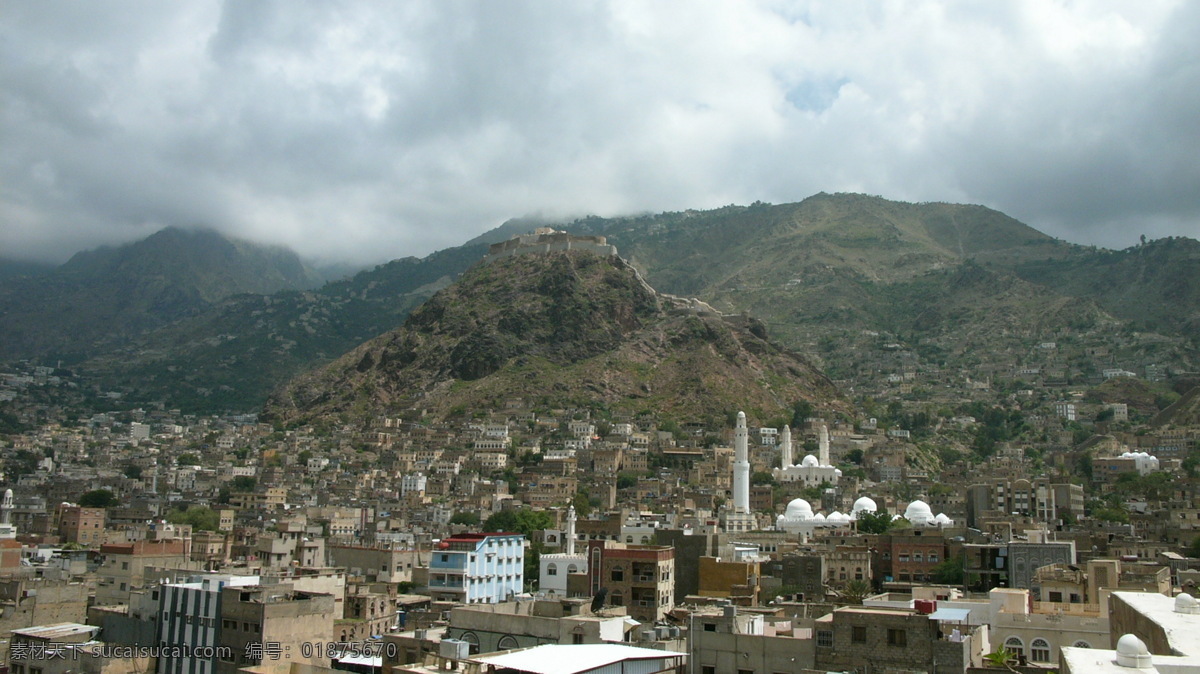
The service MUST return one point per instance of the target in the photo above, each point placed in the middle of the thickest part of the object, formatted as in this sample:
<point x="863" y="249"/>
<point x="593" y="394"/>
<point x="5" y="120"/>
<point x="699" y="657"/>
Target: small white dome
<point x="810" y="461"/>
<point x="1186" y="603"/>
<point x="798" y="509"/>
<point x="837" y="472"/>
<point x="865" y="503"/>
<point x="942" y="519"/>
<point x="818" y="517"/>
<point x="918" y="513"/>
<point x="1132" y="652"/>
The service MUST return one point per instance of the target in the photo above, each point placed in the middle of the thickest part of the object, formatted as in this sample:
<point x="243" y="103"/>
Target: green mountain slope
<point x="100" y="299"/>
<point x="561" y="329"/>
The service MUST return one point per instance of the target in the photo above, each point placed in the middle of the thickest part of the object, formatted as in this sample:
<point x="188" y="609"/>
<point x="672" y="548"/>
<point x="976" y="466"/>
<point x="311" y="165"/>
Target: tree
<point x="524" y="521"/>
<point x="187" y="459"/>
<point x="951" y="572"/>
<point x="801" y="410"/>
<point x="132" y="471"/>
<point x="242" y="483"/>
<point x="877" y="523"/>
<point x="1194" y="549"/>
<point x="99" y="498"/>
<point x="855" y="591"/>
<point x="760" y="478"/>
<point x="465" y="517"/>
<point x="202" y="518"/>
<point x="582" y="503"/>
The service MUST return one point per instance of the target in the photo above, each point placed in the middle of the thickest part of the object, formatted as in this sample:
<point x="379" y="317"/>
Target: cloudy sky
<point x="364" y="131"/>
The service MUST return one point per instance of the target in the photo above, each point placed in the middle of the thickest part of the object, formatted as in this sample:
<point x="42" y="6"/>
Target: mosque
<point x="799" y="517"/>
<point x="812" y="470"/>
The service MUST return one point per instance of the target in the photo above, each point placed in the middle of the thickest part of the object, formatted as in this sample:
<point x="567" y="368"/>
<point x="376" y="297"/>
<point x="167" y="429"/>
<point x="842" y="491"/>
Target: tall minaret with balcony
<point x="738" y="516"/>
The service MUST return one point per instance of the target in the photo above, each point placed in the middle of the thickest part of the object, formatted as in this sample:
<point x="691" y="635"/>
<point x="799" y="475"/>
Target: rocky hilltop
<point x="558" y="329"/>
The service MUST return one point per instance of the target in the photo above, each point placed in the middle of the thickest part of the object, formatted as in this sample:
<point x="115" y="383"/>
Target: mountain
<point x="558" y="330"/>
<point x="838" y="277"/>
<point x="102" y="298"/>
<point x="1156" y="284"/>
<point x="12" y="268"/>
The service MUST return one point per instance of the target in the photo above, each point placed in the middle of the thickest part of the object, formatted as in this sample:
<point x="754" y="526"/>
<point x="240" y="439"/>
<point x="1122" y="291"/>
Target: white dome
<point x="1132" y="652"/>
<point x="865" y="503"/>
<point x="810" y="460"/>
<point x="798" y="509"/>
<point x="837" y="472"/>
<point x="942" y="519"/>
<point x="918" y="513"/>
<point x="1186" y="603"/>
<point x="818" y="517"/>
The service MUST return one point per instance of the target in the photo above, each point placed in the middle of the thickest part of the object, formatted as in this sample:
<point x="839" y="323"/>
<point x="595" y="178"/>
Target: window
<point x="571" y="568"/>
<point x="507" y="642"/>
<point x="710" y="627"/>
<point x="708" y="669"/>
<point x="1015" y="646"/>
<point x="124" y="566"/>
<point x="858" y="634"/>
<point x="897" y="637"/>
<point x="917" y="557"/>
<point x="825" y="639"/>
<point x="552" y="569"/>
<point x="933" y="558"/>
<point x="1056" y="596"/>
<point x="1039" y="650"/>
<point x="618" y="574"/>
<point x="1081" y="644"/>
<point x="745" y="671"/>
<point x="903" y="558"/>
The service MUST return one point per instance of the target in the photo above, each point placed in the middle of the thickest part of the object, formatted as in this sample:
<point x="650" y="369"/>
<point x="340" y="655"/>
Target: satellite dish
<point x="598" y="600"/>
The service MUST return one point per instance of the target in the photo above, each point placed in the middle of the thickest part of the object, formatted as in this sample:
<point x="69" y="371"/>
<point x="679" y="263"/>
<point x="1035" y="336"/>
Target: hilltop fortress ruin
<point x="546" y="240"/>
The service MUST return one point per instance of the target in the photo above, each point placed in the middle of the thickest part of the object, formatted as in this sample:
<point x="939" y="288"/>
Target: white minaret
<point x="823" y="445"/>
<point x="569" y="534"/>
<point x="6" y="507"/>
<point x="741" y="466"/>
<point x="785" y="448"/>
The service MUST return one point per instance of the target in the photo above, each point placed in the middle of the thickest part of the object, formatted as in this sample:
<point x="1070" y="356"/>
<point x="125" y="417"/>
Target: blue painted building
<point x="478" y="568"/>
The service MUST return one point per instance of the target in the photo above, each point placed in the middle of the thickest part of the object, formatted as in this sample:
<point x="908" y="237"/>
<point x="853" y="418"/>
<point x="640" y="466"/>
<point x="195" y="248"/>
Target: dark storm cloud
<point x="366" y="131"/>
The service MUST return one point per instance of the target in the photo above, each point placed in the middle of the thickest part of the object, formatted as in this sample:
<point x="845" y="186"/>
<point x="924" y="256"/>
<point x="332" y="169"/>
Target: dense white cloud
<point x="367" y="131"/>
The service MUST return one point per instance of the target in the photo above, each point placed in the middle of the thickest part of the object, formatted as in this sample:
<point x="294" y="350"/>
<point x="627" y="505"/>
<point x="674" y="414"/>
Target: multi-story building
<point x="728" y="641"/>
<point x="381" y="563"/>
<point x="877" y="639"/>
<point x="638" y="577"/>
<point x="273" y="624"/>
<point x="910" y="555"/>
<point x="1025" y="557"/>
<point x="125" y="565"/>
<point x="190" y="619"/>
<point x="478" y="568"/>
<point x="84" y="526"/>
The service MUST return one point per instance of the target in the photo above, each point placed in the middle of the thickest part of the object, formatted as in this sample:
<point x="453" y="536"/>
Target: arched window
<point x="571" y="568"/>
<point x="1039" y="650"/>
<point x="618" y="574"/>
<point x="616" y="598"/>
<point x="629" y="538"/>
<point x="507" y="642"/>
<point x="1015" y="645"/>
<point x="551" y="569"/>
<point x="472" y="639"/>
<point x="1081" y="644"/>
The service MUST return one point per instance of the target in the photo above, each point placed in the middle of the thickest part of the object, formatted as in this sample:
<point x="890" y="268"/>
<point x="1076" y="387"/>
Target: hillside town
<point x="973" y="523"/>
